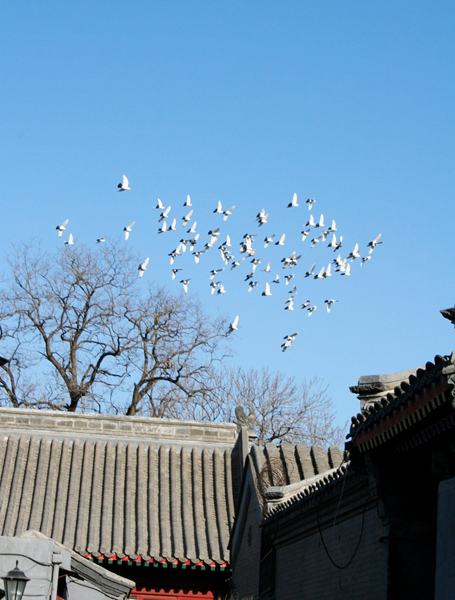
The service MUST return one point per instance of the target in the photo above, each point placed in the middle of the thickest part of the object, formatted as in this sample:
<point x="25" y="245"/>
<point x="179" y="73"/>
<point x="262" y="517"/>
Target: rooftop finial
<point x="449" y="313"/>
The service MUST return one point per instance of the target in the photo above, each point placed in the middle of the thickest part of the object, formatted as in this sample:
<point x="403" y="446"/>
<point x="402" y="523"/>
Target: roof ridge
<point x="61" y="425"/>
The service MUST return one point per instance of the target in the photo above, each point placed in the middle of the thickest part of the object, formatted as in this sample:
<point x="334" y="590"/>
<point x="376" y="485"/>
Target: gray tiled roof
<point x="287" y="464"/>
<point x="294" y="497"/>
<point x="162" y="490"/>
<point x="413" y="398"/>
<point x="288" y="475"/>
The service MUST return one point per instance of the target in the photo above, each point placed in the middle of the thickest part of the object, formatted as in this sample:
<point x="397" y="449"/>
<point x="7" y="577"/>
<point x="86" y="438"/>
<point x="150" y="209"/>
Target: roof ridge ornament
<point x="244" y="420"/>
<point x="449" y="313"/>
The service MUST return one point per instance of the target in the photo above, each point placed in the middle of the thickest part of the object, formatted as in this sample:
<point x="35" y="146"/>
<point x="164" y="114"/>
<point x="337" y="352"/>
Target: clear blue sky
<point x="350" y="103"/>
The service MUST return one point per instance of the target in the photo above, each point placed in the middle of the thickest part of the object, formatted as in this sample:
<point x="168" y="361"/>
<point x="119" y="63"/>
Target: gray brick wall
<point x="85" y="426"/>
<point x="246" y="573"/>
<point x="304" y="571"/>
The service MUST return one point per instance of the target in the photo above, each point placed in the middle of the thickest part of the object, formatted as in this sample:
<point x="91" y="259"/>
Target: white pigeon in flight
<point x="214" y="285"/>
<point x="290" y="303"/>
<point x="227" y="213"/>
<point x="268" y="240"/>
<point x="338" y="244"/>
<point x="61" y="228"/>
<point x="143" y="267"/>
<point x="188" y="201"/>
<point x="347" y="270"/>
<point x="185" y="282"/>
<point x="329" y="304"/>
<point x="125" y="185"/>
<point x="163" y="228"/>
<point x="311" y="271"/>
<point x="338" y="261"/>
<point x="70" y="241"/>
<point x="288" y="259"/>
<point x="237" y="263"/>
<point x="213" y="236"/>
<point x="186" y="219"/>
<point x="320" y="223"/>
<point x="310" y="203"/>
<point x="262" y="217"/>
<point x="256" y="262"/>
<point x="372" y="245"/>
<point x="305" y="233"/>
<point x="280" y="242"/>
<point x="164" y="214"/>
<point x="267" y="291"/>
<point x="192" y="229"/>
<point x="333" y="243"/>
<point x="128" y="229"/>
<point x="293" y="203"/>
<point x="219" y="208"/>
<point x="288" y="339"/>
<point x="214" y="273"/>
<point x="160" y="205"/>
<point x="320" y="275"/>
<point x="288" y="278"/>
<point x="355" y="253"/>
<point x="328" y="271"/>
<point x="227" y="242"/>
<point x="233" y="326"/>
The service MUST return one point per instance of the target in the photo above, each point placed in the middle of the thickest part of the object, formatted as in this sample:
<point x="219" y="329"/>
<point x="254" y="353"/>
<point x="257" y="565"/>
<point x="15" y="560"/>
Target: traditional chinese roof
<point x="281" y="499"/>
<point x="413" y="398"/>
<point x="119" y="487"/>
<point x="38" y="552"/>
<point x="278" y="475"/>
<point x="290" y="472"/>
<point x="416" y="394"/>
<point x="288" y="464"/>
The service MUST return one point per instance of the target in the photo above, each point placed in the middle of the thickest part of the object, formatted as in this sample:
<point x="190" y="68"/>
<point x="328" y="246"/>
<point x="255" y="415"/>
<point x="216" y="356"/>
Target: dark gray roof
<point x="287" y="475"/>
<point x="292" y="497"/>
<point x="119" y="486"/>
<point x="277" y="476"/>
<point x="287" y="464"/>
<point x="372" y="388"/>
<point x="414" y="397"/>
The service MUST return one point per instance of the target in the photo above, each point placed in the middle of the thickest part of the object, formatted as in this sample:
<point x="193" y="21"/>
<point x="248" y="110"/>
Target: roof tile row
<point x="113" y="499"/>
<point x="424" y="379"/>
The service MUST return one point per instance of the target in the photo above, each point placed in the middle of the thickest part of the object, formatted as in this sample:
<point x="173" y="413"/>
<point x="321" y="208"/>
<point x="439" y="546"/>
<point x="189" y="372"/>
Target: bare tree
<point x="82" y="312"/>
<point x="284" y="409"/>
<point x="81" y="335"/>
<point x="12" y="376"/>
<point x="175" y="348"/>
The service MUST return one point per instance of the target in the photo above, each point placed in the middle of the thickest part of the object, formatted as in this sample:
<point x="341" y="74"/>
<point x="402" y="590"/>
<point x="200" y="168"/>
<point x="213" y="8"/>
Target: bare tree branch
<point x="81" y="335"/>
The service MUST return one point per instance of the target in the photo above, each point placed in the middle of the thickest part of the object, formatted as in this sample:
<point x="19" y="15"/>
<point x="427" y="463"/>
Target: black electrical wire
<point x="358" y="543"/>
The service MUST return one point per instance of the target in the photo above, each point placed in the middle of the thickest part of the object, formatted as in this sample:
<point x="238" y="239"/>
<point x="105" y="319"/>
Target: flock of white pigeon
<point x="248" y="250"/>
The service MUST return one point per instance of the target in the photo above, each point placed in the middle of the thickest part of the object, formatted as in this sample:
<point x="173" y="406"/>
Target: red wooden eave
<point x="404" y="411"/>
<point x="139" y="559"/>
